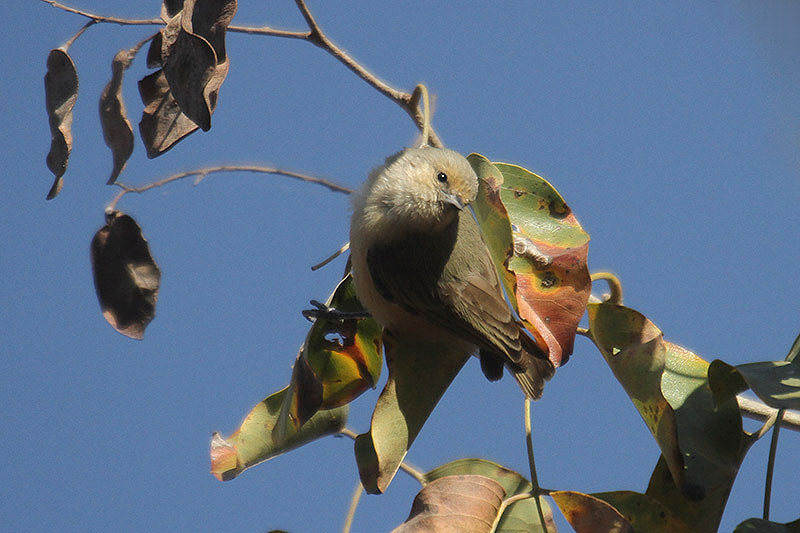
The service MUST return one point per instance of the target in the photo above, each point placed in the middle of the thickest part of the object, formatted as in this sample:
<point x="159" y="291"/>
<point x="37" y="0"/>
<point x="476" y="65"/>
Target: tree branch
<point x="201" y="173"/>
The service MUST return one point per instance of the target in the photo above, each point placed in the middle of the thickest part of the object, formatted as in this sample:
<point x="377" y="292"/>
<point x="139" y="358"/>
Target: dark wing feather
<point x="448" y="278"/>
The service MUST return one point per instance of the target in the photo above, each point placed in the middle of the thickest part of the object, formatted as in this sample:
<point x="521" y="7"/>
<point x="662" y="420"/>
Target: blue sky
<point x="671" y="129"/>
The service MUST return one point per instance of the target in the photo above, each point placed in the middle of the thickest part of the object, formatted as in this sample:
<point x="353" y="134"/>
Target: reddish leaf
<point x="117" y="130"/>
<point x="539" y="250"/>
<point x="61" y="91"/>
<point x="126" y="278"/>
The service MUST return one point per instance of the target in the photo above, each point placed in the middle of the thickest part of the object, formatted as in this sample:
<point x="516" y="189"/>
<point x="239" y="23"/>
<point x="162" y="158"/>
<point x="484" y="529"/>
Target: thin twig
<point x="103" y="18"/>
<point x="351" y="511"/>
<point x="201" y="173"/>
<point x="773" y="449"/>
<point x="534" y="477"/>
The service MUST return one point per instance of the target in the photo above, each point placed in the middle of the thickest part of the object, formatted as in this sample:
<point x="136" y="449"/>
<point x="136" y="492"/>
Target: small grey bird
<point x="421" y="267"/>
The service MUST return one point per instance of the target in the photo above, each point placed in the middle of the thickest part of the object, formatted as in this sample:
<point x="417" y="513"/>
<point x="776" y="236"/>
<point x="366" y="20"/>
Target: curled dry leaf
<point x="117" y="130"/>
<point x="61" y="91"/>
<point x="126" y="278"/>
<point x="163" y="123"/>
<point x="193" y="56"/>
<point x="455" y="503"/>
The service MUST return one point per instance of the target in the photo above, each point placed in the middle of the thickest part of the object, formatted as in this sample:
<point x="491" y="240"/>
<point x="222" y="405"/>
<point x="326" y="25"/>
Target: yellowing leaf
<point x="339" y="360"/>
<point x="257" y="440"/>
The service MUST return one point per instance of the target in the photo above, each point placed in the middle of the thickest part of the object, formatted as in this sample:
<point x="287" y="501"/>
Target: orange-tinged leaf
<point x="549" y="261"/>
<point x="339" y="360"/>
<point x="61" y="92"/>
<point x="419" y="373"/>
<point x="258" y="438"/>
<point x="117" y="130"/>
<point x="126" y="278"/>
<point x="588" y="514"/>
<point x="539" y="250"/>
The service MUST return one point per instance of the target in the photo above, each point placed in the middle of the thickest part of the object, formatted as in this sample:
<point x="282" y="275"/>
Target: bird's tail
<point x="534" y="368"/>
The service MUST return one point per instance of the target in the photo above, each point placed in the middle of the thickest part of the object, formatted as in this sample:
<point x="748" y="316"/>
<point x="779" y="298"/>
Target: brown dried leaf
<point x="193" y="55"/>
<point x="163" y="123"/>
<point x="61" y="91"/>
<point x="126" y="278"/>
<point x="117" y="130"/>
<point x="455" y="503"/>
<point x="210" y="20"/>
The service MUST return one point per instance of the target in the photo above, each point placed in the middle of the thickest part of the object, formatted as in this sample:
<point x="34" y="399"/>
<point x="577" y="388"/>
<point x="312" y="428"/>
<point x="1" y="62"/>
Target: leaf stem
<point x="351" y="511"/>
<point x="405" y="467"/>
<point x="201" y="173"/>
<point x="614" y="284"/>
<point x="532" y="463"/>
<point x="773" y="448"/>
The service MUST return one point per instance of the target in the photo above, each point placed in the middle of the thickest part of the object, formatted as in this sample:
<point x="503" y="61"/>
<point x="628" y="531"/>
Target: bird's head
<point x="419" y="189"/>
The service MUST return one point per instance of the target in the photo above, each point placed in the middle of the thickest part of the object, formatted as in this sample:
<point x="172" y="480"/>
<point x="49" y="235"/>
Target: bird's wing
<point x="450" y="285"/>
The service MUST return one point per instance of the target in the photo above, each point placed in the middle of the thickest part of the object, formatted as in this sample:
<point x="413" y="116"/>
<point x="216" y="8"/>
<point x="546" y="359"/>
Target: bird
<point x="421" y="268"/>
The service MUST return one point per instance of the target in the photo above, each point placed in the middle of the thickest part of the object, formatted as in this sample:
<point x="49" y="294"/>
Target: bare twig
<point x="534" y="477"/>
<point x="351" y="511"/>
<point x="201" y="173"/>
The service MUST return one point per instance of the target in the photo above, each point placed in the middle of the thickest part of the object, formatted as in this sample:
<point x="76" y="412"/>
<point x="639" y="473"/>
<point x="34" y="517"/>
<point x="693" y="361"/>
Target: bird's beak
<point x="454" y="200"/>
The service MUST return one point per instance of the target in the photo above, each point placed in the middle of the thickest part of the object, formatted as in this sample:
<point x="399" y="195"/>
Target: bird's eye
<point x="442" y="177"/>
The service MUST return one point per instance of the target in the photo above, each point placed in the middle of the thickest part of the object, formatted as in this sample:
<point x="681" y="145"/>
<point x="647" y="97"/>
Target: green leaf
<point x="643" y="512"/>
<point x="757" y="525"/>
<point x="257" y="440"/>
<point x="519" y="516"/>
<point x="777" y="383"/>
<point x="702" y="441"/>
<point x="634" y="349"/>
<point x="419" y="373"/>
